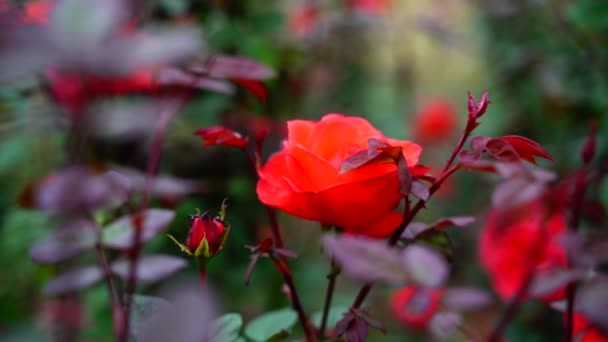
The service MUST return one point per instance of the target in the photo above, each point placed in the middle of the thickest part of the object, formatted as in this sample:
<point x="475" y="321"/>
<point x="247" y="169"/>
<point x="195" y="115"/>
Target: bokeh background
<point x="396" y="63"/>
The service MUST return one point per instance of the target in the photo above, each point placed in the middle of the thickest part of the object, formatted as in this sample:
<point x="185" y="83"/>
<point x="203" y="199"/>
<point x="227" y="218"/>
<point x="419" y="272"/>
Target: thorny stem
<point x="281" y="263"/>
<point x="410" y="213"/>
<point x="283" y="268"/>
<point x="138" y="218"/>
<point x="577" y="200"/>
<point x="331" y="284"/>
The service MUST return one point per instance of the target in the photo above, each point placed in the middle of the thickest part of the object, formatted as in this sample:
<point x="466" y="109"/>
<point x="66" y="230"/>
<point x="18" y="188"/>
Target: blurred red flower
<point x="584" y="331"/>
<point x="519" y="240"/>
<point x="415" y="307"/>
<point x="304" y="179"/>
<point x="435" y="122"/>
<point x="304" y="20"/>
<point x="375" y="7"/>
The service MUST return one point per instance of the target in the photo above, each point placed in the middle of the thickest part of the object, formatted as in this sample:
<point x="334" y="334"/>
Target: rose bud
<point x="207" y="236"/>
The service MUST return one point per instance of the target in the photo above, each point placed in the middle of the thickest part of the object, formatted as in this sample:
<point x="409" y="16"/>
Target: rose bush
<point x="304" y="178"/>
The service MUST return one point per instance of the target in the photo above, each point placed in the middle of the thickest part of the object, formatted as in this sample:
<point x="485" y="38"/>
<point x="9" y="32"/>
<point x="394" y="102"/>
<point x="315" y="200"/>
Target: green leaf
<point x="335" y="315"/>
<point x="226" y="328"/>
<point x="271" y="326"/>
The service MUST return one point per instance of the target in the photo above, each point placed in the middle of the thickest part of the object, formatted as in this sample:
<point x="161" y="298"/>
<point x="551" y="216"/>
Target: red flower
<point x="304" y="179"/>
<point x="304" y="20"/>
<point x="218" y="135"/>
<point x="584" y="331"/>
<point x="518" y="240"/>
<point x="202" y="230"/>
<point x="415" y="307"/>
<point x="373" y="7"/>
<point x="435" y="122"/>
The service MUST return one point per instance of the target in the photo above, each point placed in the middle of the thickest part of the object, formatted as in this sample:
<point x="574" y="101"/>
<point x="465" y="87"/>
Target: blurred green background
<point x="543" y="63"/>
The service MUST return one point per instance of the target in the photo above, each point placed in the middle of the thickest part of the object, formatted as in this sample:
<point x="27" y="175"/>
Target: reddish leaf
<point x="526" y="149"/>
<point x="218" y="135"/>
<point x="150" y="268"/>
<point x="162" y="185"/>
<point x="174" y="77"/>
<point x="65" y="243"/>
<point x="590" y="145"/>
<point x="501" y="150"/>
<point x="376" y="150"/>
<point x="73" y="280"/>
<point x="478" y="145"/>
<point x="257" y="88"/>
<point x="239" y="68"/>
<point x="476" y="110"/>
<point x="405" y="176"/>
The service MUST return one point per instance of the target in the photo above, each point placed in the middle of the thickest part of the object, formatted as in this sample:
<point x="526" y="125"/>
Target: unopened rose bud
<point x="205" y="236"/>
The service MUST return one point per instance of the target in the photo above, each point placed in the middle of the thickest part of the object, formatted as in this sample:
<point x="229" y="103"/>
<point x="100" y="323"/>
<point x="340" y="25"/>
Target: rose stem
<point x="202" y="276"/>
<point x="115" y="301"/>
<point x="408" y="215"/>
<point x="283" y="266"/>
<point x="331" y="284"/>
<point x="577" y="201"/>
<point x="138" y="218"/>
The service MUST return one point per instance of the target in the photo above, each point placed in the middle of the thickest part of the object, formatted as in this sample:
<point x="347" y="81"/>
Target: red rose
<point x="205" y="230"/>
<point x="304" y="179"/>
<point x="517" y="240"/>
<point x="435" y="122"/>
<point x="415" y="307"/>
<point x="584" y="331"/>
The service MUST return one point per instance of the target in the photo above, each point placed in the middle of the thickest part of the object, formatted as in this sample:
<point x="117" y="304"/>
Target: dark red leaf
<point x="357" y="160"/>
<point x="344" y="323"/>
<point x="476" y="110"/>
<point x="471" y="106"/>
<point x="218" y="135"/>
<point x="249" y="272"/>
<point x="590" y="145"/>
<point x="65" y="243"/>
<point x="405" y="177"/>
<point x="526" y="149"/>
<point x="150" y="268"/>
<point x="72" y="280"/>
<point x="174" y="77"/>
<point x="162" y="185"/>
<point x="501" y="150"/>
<point x="257" y="88"/>
<point x="376" y="150"/>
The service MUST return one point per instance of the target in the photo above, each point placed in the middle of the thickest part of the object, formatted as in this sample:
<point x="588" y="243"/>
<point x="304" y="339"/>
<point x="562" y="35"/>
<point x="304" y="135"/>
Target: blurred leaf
<point x="120" y="233"/>
<point x="150" y="268"/>
<point x="238" y="68"/>
<point x="367" y="260"/>
<point x="144" y="309"/>
<point x="80" y="189"/>
<point x="65" y="243"/>
<point x="592" y="301"/>
<point x="415" y="229"/>
<point x="72" y="280"/>
<point x="174" y="7"/>
<point x="76" y="23"/>
<point x="466" y="298"/>
<point x="425" y="266"/>
<point x="546" y="283"/>
<point x="226" y="328"/>
<point x="271" y="325"/>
